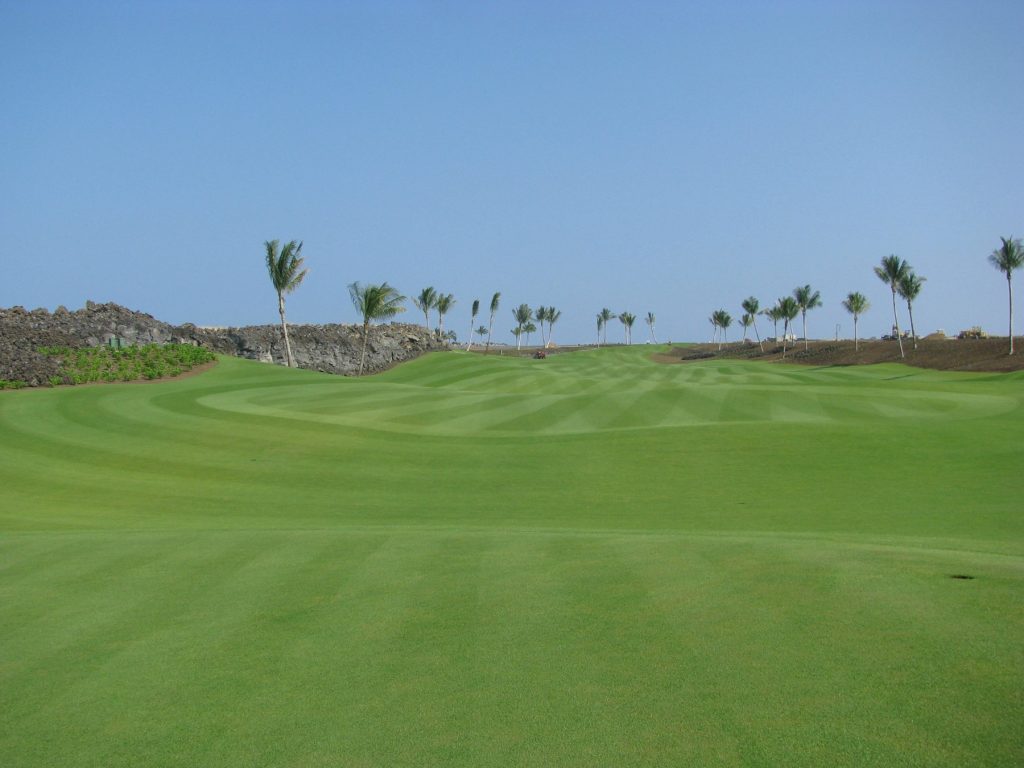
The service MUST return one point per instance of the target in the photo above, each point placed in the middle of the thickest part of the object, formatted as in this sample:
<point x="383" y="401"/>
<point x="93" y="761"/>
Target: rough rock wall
<point x="329" y="348"/>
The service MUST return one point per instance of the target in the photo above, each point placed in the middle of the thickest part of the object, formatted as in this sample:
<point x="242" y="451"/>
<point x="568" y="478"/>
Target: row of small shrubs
<point x="151" y="361"/>
<point x="8" y="384"/>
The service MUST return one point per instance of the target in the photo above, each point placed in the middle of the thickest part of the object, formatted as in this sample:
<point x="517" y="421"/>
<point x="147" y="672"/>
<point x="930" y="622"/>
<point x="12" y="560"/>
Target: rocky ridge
<point x="331" y="348"/>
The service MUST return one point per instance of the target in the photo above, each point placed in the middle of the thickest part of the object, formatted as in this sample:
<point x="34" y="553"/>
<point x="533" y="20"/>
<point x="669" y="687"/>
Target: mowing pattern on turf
<point x="585" y="560"/>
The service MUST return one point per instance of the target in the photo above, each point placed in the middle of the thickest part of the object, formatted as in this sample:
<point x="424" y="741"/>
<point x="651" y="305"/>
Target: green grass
<point x="586" y="560"/>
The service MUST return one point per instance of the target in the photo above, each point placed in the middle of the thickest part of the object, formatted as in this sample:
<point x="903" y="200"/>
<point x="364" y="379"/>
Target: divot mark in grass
<point x="960" y="576"/>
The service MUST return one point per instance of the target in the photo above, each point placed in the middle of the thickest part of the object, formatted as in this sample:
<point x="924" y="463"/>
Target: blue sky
<point x="666" y="157"/>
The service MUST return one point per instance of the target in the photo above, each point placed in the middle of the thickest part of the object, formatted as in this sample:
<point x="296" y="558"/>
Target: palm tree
<point x="476" y="310"/>
<point x="529" y="328"/>
<point x="806" y="299"/>
<point x="374" y="302"/>
<point x="286" y="273"/>
<point x="444" y="302"/>
<point x="1006" y="258"/>
<point x="522" y="315"/>
<point x="517" y="332"/>
<point x="606" y="316"/>
<point x="495" y="299"/>
<point x="745" y="322"/>
<point x="723" y="320"/>
<point x="553" y="315"/>
<point x="751" y="306"/>
<point x="600" y="325"/>
<point x="650" y="322"/>
<point x="627" y="319"/>
<point x="425" y="302"/>
<point x="541" y="315"/>
<point x="891" y="272"/>
<point x="856" y="304"/>
<point x="788" y="309"/>
<point x="909" y="287"/>
<point x="481" y="332"/>
<point x="772" y="313"/>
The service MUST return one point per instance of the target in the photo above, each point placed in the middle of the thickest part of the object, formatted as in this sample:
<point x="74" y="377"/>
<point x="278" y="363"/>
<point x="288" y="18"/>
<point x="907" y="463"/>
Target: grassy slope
<point x="588" y="560"/>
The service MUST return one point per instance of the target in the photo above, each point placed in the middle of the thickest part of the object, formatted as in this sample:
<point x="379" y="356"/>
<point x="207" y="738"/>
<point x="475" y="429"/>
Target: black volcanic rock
<point x="332" y="348"/>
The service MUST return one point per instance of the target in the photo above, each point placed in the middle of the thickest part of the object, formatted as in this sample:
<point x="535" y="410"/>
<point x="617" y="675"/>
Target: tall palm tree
<point x="553" y="316"/>
<point x="476" y="310"/>
<point x="627" y="319"/>
<point x="374" y="302"/>
<point x="788" y="309"/>
<point x="522" y="315"/>
<point x="650" y="322"/>
<point x="541" y="316"/>
<point x="772" y="313"/>
<point x="425" y="302"/>
<point x="529" y="328"/>
<point x="1008" y="257"/>
<point x="806" y="299"/>
<point x="752" y="306"/>
<point x="856" y="304"/>
<point x="286" y="273"/>
<point x="495" y="300"/>
<point x="891" y="271"/>
<point x="909" y="287"/>
<point x="745" y="322"/>
<point x="722" y="320"/>
<point x="606" y="316"/>
<point x="445" y="301"/>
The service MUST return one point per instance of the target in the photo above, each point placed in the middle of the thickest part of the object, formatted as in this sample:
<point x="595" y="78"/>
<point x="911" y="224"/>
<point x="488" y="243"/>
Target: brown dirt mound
<point x="938" y="354"/>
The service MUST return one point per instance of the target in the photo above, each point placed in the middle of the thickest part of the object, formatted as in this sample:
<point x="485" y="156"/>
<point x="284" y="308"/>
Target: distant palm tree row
<point x="628" y="319"/>
<point x="893" y="271"/>
<point x="379" y="302"/>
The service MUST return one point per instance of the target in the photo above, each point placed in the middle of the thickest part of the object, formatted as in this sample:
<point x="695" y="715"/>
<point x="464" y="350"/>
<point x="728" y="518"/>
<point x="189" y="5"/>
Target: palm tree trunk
<point x="1009" y="287"/>
<point x="913" y="333"/>
<point x="804" y="316"/>
<point x="490" y="325"/>
<point x="472" y="322"/>
<point x="758" y="335"/>
<point x="896" y="323"/>
<point x="856" y="343"/>
<point x="366" y="336"/>
<point x="785" y="334"/>
<point x="284" y="327"/>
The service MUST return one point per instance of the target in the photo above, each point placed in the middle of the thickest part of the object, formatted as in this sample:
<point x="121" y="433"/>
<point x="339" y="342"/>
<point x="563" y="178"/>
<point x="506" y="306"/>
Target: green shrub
<point x="148" y="362"/>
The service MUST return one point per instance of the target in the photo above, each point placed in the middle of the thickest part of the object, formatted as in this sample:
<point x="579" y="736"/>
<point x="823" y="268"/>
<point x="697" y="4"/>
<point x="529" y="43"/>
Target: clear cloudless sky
<point x="666" y="157"/>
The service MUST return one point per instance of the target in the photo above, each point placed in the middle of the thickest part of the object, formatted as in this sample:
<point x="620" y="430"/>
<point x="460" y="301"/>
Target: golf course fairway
<point x="589" y="560"/>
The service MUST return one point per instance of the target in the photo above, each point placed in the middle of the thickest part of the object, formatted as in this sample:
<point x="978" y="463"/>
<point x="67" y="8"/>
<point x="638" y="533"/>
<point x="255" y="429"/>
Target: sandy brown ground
<point x="939" y="354"/>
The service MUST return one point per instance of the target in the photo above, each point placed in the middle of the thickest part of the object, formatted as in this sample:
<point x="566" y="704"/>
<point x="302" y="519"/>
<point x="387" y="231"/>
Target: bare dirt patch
<point x="937" y="354"/>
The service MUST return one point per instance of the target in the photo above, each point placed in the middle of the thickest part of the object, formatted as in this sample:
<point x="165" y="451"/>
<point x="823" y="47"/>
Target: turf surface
<point x="586" y="560"/>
